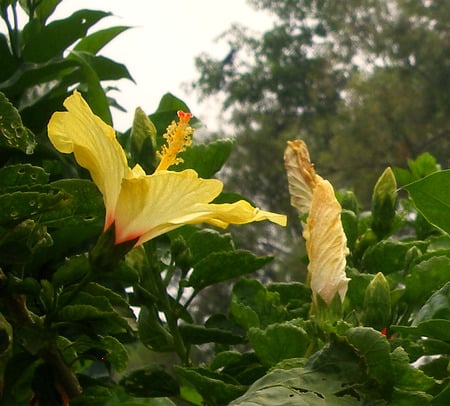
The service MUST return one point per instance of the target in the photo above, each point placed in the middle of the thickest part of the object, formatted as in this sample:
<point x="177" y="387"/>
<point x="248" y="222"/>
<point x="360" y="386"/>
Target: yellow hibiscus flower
<point x="143" y="206"/>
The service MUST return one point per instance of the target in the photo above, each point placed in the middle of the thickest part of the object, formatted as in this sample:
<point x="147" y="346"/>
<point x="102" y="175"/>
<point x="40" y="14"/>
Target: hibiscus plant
<point x="108" y="241"/>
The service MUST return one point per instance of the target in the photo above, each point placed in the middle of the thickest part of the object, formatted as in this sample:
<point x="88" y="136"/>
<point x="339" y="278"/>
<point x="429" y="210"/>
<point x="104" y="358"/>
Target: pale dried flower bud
<point x="326" y="244"/>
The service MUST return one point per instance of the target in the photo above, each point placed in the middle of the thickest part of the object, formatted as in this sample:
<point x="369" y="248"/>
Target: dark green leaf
<point x="95" y="95"/>
<point x="374" y="348"/>
<point x="152" y="332"/>
<point x="94" y="42"/>
<point x="16" y="176"/>
<point x="105" y="68"/>
<point x="94" y="316"/>
<point x="166" y="113"/>
<point x="253" y="305"/>
<point x="204" y="242"/>
<point x="12" y="132"/>
<point x="42" y="9"/>
<point x="215" y="388"/>
<point x="19" y="206"/>
<point x="436" y="307"/>
<point x="85" y="206"/>
<point x="8" y="63"/>
<point x="298" y="387"/>
<point x="221" y="266"/>
<point x="195" y="334"/>
<point x="170" y="103"/>
<point x="206" y="159"/>
<point x="53" y="39"/>
<point x="29" y="75"/>
<point x="406" y="376"/>
<point x="278" y="342"/>
<point x="150" y="382"/>
<point x="244" y="367"/>
<point x="434" y="328"/>
<point x="388" y="256"/>
<point x="71" y="271"/>
<point x="431" y="195"/>
<point x="22" y="242"/>
<point x="426" y="277"/>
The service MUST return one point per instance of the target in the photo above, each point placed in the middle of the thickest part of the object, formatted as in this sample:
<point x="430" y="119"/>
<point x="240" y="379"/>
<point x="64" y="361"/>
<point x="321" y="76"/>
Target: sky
<point x="160" y="50"/>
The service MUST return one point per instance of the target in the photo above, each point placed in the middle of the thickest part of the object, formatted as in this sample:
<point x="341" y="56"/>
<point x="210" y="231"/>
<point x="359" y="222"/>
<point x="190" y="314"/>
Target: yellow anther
<point x="178" y="137"/>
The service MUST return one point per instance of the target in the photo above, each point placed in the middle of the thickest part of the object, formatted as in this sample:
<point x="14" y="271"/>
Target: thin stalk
<point x="172" y="319"/>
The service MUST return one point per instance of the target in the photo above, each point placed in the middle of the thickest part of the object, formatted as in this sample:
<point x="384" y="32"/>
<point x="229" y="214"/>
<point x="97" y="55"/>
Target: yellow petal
<point x="150" y="205"/>
<point x="155" y="204"/>
<point x="241" y="212"/>
<point x="301" y="175"/>
<point x="94" y="145"/>
<point x="326" y="244"/>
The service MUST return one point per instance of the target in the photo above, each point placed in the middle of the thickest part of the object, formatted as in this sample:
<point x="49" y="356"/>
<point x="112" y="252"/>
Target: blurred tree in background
<point x="325" y="71"/>
<point x="364" y="82"/>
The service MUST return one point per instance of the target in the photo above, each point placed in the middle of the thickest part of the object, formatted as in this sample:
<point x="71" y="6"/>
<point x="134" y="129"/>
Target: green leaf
<point x="374" y="348"/>
<point x="195" y="334"/>
<point x="171" y="103"/>
<point x="425" y="278"/>
<point x="166" y="113"/>
<point x="71" y="271"/>
<point x="95" y="95"/>
<point x="19" y="206"/>
<point x="152" y="381"/>
<point x="434" y="328"/>
<point x="221" y="266"/>
<point x="85" y="206"/>
<point x="96" y="316"/>
<point x="17" y="176"/>
<point x="105" y="68"/>
<point x="28" y="75"/>
<point x="12" y="132"/>
<point x="206" y="159"/>
<point x="21" y="243"/>
<point x="278" y="342"/>
<point x="252" y="305"/>
<point x="152" y="332"/>
<point x="206" y="241"/>
<point x="431" y="195"/>
<point x="53" y="39"/>
<point x="94" y="42"/>
<point x="244" y="367"/>
<point x="388" y="256"/>
<point x="406" y="376"/>
<point x="215" y="388"/>
<point x="299" y="387"/>
<point x="436" y="307"/>
<point x="8" y="63"/>
<point x="42" y="9"/>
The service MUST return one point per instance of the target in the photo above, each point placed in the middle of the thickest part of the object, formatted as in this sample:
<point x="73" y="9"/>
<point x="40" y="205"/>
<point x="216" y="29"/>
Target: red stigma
<point x="183" y="116"/>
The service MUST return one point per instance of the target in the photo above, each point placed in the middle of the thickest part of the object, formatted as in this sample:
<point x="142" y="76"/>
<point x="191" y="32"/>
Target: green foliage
<point x="91" y="322"/>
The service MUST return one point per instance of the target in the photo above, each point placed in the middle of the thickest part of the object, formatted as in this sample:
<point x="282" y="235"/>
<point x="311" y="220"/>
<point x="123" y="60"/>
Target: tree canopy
<point x="364" y="82"/>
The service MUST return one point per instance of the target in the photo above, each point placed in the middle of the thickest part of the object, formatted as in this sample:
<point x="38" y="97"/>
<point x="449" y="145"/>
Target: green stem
<point x="166" y="305"/>
<point x="172" y="319"/>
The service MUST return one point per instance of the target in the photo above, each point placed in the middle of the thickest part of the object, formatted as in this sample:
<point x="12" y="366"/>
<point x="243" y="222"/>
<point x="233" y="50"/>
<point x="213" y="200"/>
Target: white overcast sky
<point x="160" y="50"/>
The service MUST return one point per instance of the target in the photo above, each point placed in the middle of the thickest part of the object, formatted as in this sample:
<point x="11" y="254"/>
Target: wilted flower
<point x="138" y="205"/>
<point x="301" y="175"/>
<point x="326" y="243"/>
